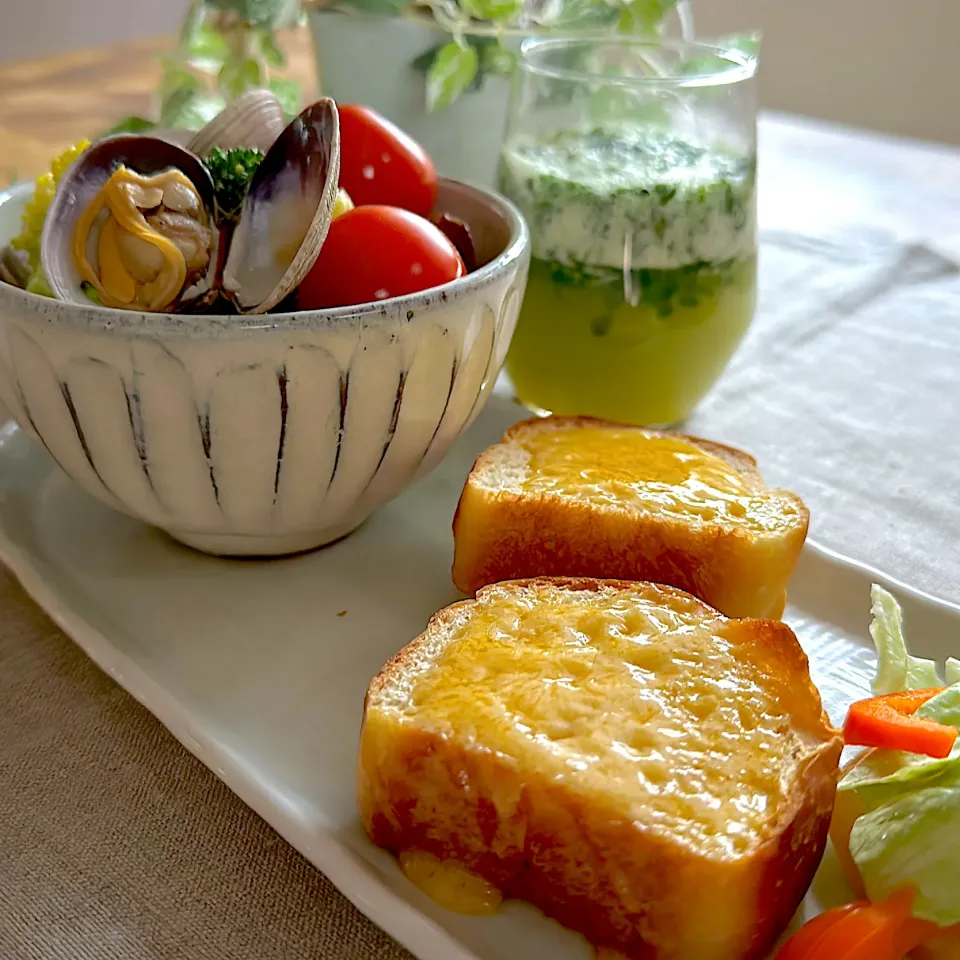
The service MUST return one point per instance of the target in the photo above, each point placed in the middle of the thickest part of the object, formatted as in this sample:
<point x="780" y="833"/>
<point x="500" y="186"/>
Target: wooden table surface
<point x="48" y="104"/>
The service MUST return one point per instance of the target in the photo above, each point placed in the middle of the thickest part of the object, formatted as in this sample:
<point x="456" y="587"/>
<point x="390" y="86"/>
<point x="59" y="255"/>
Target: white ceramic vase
<point x="369" y="60"/>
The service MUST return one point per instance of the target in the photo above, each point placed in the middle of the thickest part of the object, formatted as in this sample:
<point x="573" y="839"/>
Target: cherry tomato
<point x="376" y="252"/>
<point x="379" y="163"/>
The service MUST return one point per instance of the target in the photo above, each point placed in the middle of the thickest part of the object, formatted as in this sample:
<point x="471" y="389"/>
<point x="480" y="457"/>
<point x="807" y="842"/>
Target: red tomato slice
<point x="861" y="931"/>
<point x="805" y="943"/>
<point x="889" y="721"/>
<point x="379" y="163"/>
<point x="376" y="252"/>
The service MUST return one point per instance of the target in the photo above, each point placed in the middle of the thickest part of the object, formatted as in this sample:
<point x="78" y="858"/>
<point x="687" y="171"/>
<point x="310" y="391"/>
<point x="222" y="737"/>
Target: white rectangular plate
<point x="260" y="668"/>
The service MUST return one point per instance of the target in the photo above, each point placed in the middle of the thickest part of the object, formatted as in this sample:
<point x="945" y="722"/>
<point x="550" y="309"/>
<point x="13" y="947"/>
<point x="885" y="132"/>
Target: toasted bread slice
<point x="641" y="768"/>
<point x="570" y="496"/>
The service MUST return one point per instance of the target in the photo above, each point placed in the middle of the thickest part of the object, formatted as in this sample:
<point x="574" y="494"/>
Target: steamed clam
<point x="254" y="119"/>
<point x="135" y="220"/>
<point x="287" y="211"/>
<point x="14" y="267"/>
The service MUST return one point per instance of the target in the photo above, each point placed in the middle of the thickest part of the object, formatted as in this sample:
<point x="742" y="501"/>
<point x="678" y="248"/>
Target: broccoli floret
<point x="231" y="171"/>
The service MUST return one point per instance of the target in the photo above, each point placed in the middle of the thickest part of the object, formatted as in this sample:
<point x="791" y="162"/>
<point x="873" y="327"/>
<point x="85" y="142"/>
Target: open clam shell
<point x="287" y="211"/>
<point x="14" y="268"/>
<point x="178" y="135"/>
<point x="254" y="119"/>
<point x="81" y="185"/>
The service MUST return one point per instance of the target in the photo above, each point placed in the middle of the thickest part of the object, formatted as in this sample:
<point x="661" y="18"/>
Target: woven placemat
<point x="117" y="843"/>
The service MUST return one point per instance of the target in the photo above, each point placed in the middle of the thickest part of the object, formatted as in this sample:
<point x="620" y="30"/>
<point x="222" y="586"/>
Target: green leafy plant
<point x="225" y="48"/>
<point x="481" y="32"/>
<point x="229" y="46"/>
<point x="493" y="59"/>
<point x="452" y="71"/>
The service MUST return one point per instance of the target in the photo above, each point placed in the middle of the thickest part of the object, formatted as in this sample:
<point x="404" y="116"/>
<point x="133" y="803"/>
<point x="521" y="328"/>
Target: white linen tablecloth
<point x="847" y="390"/>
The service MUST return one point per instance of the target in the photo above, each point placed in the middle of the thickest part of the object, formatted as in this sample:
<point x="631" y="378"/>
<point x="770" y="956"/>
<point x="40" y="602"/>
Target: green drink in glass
<point x="635" y="165"/>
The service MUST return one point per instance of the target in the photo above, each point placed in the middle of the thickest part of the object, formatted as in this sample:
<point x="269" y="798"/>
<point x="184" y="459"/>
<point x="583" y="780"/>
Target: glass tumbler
<point x="635" y="165"/>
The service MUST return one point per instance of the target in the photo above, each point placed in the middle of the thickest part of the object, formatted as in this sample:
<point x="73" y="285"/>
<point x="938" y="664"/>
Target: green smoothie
<point x="643" y="279"/>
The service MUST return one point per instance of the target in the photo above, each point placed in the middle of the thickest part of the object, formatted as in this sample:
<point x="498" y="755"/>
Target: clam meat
<point x="153" y="242"/>
<point x="133" y="221"/>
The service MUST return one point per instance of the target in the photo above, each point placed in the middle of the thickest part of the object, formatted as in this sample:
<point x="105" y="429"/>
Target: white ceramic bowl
<point x="263" y="435"/>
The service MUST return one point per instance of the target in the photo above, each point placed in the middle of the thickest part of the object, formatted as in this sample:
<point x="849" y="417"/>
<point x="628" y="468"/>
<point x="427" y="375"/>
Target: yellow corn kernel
<point x="343" y="204"/>
<point x="35" y="211"/>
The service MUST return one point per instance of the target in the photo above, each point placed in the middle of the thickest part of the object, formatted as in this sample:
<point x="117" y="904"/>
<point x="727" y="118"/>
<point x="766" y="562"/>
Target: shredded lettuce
<point x="944" y="707"/>
<point x="913" y="839"/>
<point x="953" y="671"/>
<point x="896" y="669"/>
<point x="911" y="802"/>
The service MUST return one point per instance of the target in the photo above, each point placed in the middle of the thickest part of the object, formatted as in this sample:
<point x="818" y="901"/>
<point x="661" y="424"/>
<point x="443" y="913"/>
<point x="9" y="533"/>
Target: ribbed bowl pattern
<point x="238" y="439"/>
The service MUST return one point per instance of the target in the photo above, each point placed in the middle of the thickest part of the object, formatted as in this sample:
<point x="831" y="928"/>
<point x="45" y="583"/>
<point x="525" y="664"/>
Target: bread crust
<point x="504" y="535"/>
<point x="576" y="859"/>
